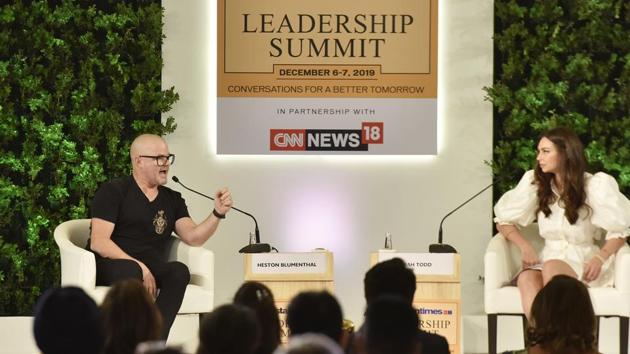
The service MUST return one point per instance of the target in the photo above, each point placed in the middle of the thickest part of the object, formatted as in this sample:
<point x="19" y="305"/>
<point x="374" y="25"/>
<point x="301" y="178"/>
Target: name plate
<point x="289" y="263"/>
<point x="424" y="263"/>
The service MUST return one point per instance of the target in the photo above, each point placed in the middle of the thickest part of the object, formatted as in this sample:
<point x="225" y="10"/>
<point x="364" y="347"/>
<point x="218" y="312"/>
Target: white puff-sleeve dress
<point x="609" y="215"/>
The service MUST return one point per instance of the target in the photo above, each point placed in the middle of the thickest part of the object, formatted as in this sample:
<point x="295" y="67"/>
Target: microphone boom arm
<point x="442" y="248"/>
<point x="257" y="232"/>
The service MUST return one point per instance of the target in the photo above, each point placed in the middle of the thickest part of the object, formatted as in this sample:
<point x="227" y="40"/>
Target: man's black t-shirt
<point x="142" y="227"/>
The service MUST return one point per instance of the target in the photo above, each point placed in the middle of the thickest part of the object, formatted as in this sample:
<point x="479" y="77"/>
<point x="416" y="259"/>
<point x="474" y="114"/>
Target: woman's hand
<point x="529" y="256"/>
<point x="592" y="269"/>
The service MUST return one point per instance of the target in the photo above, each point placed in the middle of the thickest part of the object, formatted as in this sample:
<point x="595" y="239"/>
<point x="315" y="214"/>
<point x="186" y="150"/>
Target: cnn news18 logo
<point x="326" y="139"/>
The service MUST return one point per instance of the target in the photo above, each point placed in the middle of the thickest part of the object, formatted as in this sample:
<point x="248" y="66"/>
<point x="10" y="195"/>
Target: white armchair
<point x="78" y="267"/>
<point x="502" y="261"/>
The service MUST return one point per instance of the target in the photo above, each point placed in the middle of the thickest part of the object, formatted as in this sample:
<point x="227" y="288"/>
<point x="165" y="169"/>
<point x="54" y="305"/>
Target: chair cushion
<point x="98" y="293"/>
<point x="196" y="300"/>
<point x="503" y="300"/>
<point x="609" y="302"/>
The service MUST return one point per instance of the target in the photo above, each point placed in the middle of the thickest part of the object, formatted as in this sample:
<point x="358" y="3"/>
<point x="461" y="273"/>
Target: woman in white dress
<point x="573" y="209"/>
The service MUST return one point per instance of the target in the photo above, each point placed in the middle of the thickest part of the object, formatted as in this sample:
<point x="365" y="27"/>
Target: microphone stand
<point x="445" y="248"/>
<point x="251" y="248"/>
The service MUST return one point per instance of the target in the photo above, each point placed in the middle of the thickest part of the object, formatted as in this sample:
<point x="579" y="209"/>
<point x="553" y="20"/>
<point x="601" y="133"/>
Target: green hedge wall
<point x="561" y="63"/>
<point x="78" y="80"/>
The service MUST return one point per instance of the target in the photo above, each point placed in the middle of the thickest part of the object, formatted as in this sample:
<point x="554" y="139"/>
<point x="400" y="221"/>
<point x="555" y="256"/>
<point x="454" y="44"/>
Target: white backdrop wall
<point x="344" y="204"/>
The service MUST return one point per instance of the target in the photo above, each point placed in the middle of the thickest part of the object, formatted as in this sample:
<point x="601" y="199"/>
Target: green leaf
<point x="78" y="81"/>
<point x="561" y="63"/>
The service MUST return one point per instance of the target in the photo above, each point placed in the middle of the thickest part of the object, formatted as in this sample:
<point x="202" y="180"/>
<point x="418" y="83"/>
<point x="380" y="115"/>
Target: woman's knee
<point x="529" y="279"/>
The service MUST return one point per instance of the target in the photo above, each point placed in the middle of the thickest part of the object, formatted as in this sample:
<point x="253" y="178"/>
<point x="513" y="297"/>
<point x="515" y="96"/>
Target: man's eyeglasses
<point x="162" y="160"/>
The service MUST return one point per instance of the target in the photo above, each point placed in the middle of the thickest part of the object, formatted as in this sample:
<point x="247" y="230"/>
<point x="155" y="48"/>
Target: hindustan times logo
<point x="433" y="311"/>
<point x="326" y="139"/>
<point x="435" y="320"/>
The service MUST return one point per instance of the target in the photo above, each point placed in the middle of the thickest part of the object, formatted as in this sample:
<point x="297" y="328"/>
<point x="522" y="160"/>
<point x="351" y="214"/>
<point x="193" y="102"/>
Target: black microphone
<point x="252" y="248"/>
<point x="445" y="248"/>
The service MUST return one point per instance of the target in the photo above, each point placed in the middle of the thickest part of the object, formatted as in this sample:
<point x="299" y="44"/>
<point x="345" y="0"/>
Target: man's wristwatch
<point x="216" y="213"/>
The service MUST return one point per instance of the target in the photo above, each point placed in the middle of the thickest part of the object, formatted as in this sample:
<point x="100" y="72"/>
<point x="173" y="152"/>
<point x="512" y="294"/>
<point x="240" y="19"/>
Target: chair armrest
<point x="622" y="269"/>
<point x="78" y="266"/>
<point x="200" y="262"/>
<point x="497" y="264"/>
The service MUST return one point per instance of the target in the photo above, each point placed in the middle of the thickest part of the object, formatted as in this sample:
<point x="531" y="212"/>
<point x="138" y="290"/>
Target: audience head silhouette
<point x="310" y="343"/>
<point x="259" y="298"/>
<point x="391" y="277"/>
<point x="229" y="329"/>
<point x="67" y="321"/>
<point x="391" y="326"/>
<point x="390" y="286"/>
<point x="130" y="317"/>
<point x="315" y="312"/>
<point x="562" y="318"/>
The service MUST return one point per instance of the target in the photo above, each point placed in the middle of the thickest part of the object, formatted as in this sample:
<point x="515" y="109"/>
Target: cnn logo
<point x="287" y="139"/>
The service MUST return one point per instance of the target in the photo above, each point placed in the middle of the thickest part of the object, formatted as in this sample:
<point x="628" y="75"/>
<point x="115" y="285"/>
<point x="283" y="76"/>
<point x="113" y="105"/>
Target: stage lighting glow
<point x="318" y="215"/>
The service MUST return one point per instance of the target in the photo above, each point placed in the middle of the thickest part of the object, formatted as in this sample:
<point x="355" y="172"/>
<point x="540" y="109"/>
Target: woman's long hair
<point x="572" y="163"/>
<point x="259" y="298"/>
<point x="562" y="318"/>
<point x="130" y="317"/>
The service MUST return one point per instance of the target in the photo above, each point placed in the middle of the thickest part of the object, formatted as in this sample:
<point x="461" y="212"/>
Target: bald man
<point x="133" y="219"/>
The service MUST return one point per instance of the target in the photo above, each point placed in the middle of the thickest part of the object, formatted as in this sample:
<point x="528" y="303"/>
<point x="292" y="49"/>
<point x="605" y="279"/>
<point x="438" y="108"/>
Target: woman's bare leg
<point x="529" y="283"/>
<point x="555" y="267"/>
